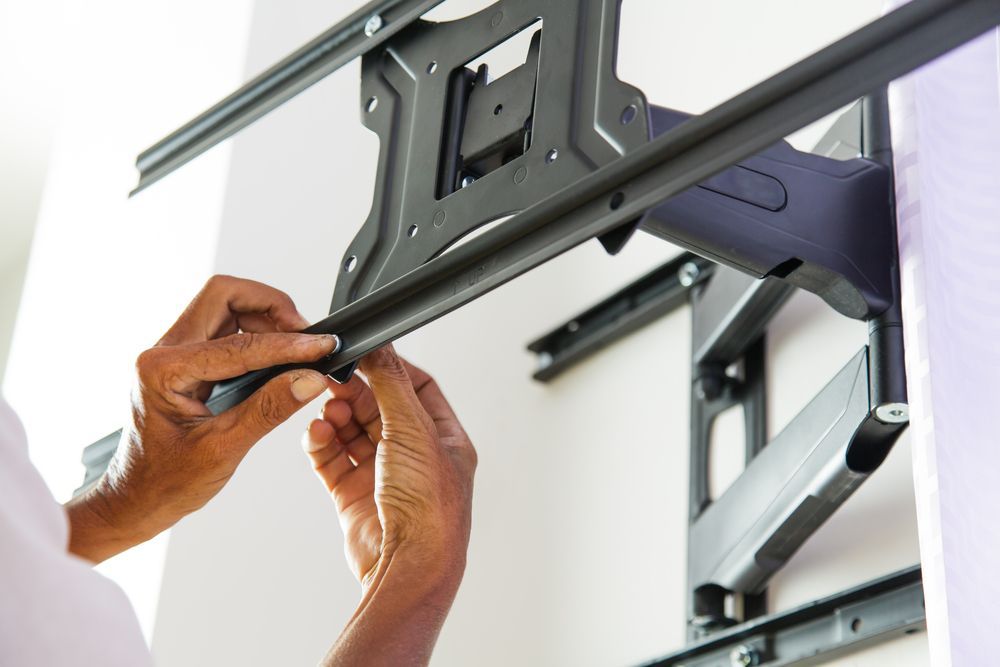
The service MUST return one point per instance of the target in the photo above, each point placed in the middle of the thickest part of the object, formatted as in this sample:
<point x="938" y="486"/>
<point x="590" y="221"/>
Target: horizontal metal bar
<point x="642" y="301"/>
<point x="874" y="612"/>
<point x="279" y="83"/>
<point x="624" y="189"/>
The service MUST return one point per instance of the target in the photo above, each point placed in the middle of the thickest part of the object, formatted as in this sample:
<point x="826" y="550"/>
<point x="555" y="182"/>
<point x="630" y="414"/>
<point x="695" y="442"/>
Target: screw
<point x="688" y="274"/>
<point x="544" y="360"/>
<point x="373" y="25"/>
<point x="708" y="387"/>
<point x="744" y="656"/>
<point x="468" y="180"/>
<point x="893" y="413"/>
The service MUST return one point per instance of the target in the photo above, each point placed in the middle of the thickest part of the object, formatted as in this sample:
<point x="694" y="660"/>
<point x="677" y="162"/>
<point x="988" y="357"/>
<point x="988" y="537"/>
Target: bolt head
<point x="688" y="274"/>
<point x="893" y="413"/>
<point x="373" y="25"/>
<point x="468" y="180"/>
<point x="744" y="656"/>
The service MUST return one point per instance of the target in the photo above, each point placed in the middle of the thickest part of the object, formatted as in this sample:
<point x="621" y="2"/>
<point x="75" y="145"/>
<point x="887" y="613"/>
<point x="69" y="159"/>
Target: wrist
<point x="423" y="568"/>
<point x="100" y="525"/>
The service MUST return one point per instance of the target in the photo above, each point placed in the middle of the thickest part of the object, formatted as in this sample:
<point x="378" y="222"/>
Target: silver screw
<point x="373" y="25"/>
<point x="468" y="180"/>
<point x="544" y="360"/>
<point x="893" y="413"/>
<point x="744" y="656"/>
<point x="688" y="274"/>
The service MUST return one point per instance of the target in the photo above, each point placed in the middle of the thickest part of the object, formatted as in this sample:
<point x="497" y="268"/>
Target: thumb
<point x="399" y="407"/>
<point x="269" y="406"/>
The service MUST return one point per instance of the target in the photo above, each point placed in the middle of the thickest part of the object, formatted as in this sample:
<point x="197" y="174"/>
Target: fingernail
<point x="307" y="387"/>
<point x="325" y="340"/>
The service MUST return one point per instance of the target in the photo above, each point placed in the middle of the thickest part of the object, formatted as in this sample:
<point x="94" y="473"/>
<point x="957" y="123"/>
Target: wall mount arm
<point x="623" y="190"/>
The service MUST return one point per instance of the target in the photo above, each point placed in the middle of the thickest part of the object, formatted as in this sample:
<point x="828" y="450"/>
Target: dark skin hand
<point x="388" y="448"/>
<point x="399" y="467"/>
<point x="175" y="455"/>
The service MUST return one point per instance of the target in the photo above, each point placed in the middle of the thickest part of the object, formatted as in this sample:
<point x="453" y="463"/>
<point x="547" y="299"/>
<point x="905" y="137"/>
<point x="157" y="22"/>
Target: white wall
<point x="577" y="555"/>
<point x="107" y="275"/>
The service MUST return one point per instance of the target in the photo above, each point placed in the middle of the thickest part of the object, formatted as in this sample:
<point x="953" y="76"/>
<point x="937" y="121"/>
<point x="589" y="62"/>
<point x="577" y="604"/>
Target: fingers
<point x="329" y="458"/>
<point x="359" y="397"/>
<point x="400" y="409"/>
<point x="216" y="310"/>
<point x="348" y="480"/>
<point x="248" y="422"/>
<point x="360" y="445"/>
<point x="181" y="368"/>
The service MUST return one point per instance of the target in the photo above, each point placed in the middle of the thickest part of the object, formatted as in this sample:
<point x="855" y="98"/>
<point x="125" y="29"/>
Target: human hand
<point x="399" y="467"/>
<point x="175" y="455"/>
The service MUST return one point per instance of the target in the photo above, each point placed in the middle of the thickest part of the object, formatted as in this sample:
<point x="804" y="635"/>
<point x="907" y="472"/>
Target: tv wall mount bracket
<point x="567" y="152"/>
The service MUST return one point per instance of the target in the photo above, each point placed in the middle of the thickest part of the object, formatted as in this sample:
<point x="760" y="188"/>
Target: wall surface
<point x="578" y="546"/>
<point x="107" y="275"/>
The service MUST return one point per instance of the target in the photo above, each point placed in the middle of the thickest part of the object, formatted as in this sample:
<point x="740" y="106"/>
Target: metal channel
<point x="624" y="189"/>
<point x="360" y="32"/>
<point x="816" y="632"/>
<point x="659" y="292"/>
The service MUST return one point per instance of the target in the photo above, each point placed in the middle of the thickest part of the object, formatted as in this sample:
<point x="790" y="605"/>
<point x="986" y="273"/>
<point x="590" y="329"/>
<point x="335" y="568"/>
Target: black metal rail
<point x="874" y="612"/>
<point x="362" y="31"/>
<point x="639" y="303"/>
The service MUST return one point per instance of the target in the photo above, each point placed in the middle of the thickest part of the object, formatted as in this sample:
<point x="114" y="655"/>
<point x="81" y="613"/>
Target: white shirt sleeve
<point x="54" y="609"/>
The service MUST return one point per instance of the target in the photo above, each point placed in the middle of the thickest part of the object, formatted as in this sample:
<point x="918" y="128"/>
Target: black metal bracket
<point x="793" y="483"/>
<point x="750" y="212"/>
<point x="874" y="612"/>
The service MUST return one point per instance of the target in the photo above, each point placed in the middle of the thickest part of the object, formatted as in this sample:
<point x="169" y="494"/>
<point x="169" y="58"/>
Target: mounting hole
<point x="432" y="66"/>
<point x="617" y="199"/>
<point x="351" y="263"/>
<point x="497" y="110"/>
<point x="856" y="625"/>
<point x="371" y="104"/>
<point x="412" y="231"/>
<point x="629" y="113"/>
<point x="552" y="155"/>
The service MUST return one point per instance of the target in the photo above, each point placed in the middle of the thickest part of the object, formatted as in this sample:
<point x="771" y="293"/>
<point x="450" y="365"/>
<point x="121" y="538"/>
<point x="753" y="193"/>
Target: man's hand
<point x="175" y="455"/>
<point x="399" y="467"/>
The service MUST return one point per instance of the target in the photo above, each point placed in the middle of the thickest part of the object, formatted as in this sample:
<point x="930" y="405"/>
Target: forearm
<point x="400" y="615"/>
<point x="97" y="529"/>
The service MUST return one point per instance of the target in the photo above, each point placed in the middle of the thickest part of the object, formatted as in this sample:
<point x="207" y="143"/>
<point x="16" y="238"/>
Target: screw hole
<point x="856" y="625"/>
<point x="497" y="110"/>
<point x="351" y="263"/>
<point x="617" y="199"/>
<point x="412" y="231"/>
<point x="371" y="104"/>
<point x="432" y="67"/>
<point x="552" y="156"/>
<point x="629" y="113"/>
